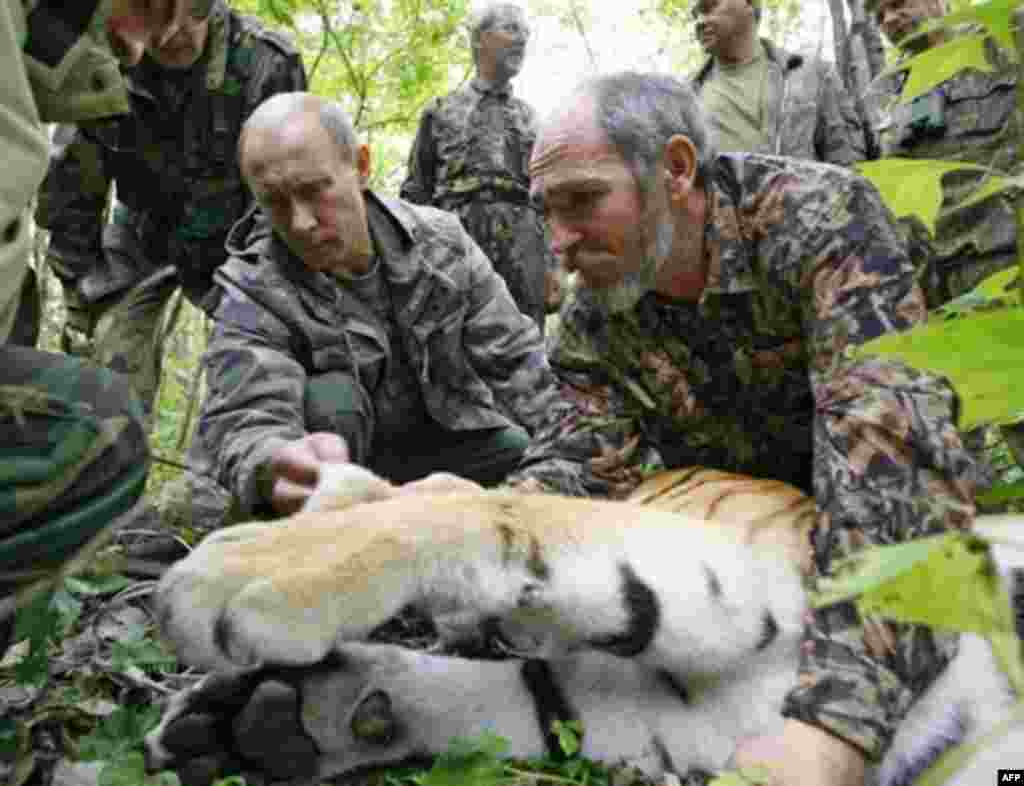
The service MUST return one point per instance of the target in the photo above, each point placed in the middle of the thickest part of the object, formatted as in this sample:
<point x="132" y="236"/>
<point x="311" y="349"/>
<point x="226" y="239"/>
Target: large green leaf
<point x="945" y="581"/>
<point x="930" y="68"/>
<point x="995" y="15"/>
<point x="981" y="353"/>
<point x="913" y="186"/>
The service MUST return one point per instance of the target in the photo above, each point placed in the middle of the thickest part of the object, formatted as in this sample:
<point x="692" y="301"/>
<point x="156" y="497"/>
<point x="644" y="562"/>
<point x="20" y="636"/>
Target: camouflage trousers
<point x="513" y="238"/>
<point x="73" y="456"/>
<point x="122" y="332"/>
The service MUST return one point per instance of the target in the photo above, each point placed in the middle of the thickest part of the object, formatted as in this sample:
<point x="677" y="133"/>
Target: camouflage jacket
<point x="807" y="112"/>
<point x="971" y="117"/>
<point x="480" y="362"/>
<point x="47" y="78"/>
<point x="173" y="159"/>
<point x="474" y="138"/>
<point x="804" y="262"/>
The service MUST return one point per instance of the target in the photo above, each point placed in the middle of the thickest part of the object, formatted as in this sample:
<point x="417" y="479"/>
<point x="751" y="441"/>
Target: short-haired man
<point x="972" y="117"/>
<point x="72" y="447"/>
<point x="717" y="299"/>
<point x="358" y="328"/>
<point x="173" y="163"/>
<point x="470" y="157"/>
<point x="762" y="99"/>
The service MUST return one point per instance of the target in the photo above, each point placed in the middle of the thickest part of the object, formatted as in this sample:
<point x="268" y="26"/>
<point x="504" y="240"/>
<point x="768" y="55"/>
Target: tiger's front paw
<point x="228" y="605"/>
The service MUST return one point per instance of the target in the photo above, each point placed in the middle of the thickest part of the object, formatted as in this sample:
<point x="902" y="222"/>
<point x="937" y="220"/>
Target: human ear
<point x="680" y="162"/>
<point x="363" y="165"/>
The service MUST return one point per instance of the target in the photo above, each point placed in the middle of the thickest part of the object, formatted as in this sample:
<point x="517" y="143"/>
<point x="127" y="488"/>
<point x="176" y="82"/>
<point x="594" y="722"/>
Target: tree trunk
<point x="858" y="49"/>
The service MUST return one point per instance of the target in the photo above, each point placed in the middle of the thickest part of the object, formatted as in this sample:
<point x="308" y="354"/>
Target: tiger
<point x="667" y="624"/>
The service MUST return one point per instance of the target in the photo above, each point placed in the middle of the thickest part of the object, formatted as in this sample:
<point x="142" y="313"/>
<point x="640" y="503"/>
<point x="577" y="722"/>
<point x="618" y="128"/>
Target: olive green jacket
<point x="56" y="66"/>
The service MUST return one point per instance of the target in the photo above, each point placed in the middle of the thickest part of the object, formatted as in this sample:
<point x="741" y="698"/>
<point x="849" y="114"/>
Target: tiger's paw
<point x="360" y="707"/>
<point x="244" y="723"/>
<point x="256" y="594"/>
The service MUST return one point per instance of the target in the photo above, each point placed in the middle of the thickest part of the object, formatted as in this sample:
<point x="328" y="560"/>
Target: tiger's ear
<point x="373" y="720"/>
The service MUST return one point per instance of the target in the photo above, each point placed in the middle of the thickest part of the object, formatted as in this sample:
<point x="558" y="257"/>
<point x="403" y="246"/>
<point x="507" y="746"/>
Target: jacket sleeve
<point x="72" y="203"/>
<point x="418" y="186"/>
<point x="840" y="137"/>
<point x="590" y="442"/>
<point x="255" y="398"/>
<point x="888" y="467"/>
<point x="280" y="70"/>
<point x="24" y="150"/>
<point x="503" y="345"/>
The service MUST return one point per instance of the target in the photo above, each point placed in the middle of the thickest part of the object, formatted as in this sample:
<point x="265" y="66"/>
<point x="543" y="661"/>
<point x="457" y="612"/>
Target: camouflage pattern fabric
<point x="73" y="455"/>
<point x="971" y="117"/>
<point x="182" y="135"/>
<point x="804" y="263"/>
<point x="480" y="363"/>
<point x="72" y="449"/>
<point x="470" y="156"/>
<point x="807" y="112"/>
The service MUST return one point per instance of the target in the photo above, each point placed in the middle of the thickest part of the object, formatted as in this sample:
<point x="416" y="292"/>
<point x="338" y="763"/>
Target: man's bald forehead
<point x="279" y="107"/>
<point x="577" y="111"/>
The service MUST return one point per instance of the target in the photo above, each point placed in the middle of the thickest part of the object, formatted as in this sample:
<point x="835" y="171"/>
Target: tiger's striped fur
<point x="670" y="623"/>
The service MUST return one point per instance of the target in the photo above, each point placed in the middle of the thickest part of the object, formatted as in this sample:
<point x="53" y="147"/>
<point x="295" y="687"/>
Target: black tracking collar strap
<point x="549" y="702"/>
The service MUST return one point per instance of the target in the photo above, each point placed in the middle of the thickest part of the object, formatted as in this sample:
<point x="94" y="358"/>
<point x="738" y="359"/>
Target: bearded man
<point x="718" y="299"/>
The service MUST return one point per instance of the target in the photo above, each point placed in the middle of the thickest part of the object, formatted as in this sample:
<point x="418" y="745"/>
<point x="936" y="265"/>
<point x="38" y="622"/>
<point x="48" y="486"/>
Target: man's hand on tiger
<point x="803" y="755"/>
<point x="294" y="469"/>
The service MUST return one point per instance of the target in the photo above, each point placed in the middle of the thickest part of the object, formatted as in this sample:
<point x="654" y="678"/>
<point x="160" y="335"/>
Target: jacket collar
<point x="730" y="261"/>
<point x="486" y="88"/>
<point x="787" y="61"/>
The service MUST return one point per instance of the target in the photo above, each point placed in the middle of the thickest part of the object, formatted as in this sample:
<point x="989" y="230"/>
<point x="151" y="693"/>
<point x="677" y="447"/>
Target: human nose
<point x="303" y="219"/>
<point x="128" y="43"/>
<point x="564" y="236"/>
<point x="174" y="23"/>
<point x="887" y="16"/>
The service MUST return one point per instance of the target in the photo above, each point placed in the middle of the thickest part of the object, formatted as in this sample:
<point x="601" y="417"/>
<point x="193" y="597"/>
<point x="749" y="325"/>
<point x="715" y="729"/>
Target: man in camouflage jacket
<point x="718" y="299"/>
<point x="470" y="157"/>
<point x="971" y="117"/>
<point x="72" y="447"/>
<point x="381" y="323"/>
<point x="803" y="111"/>
<point x="178" y="187"/>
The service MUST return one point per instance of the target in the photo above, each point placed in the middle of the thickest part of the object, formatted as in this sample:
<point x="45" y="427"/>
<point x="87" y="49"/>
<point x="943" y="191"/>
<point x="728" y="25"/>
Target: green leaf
<point x="946" y="581"/>
<point x="1002" y="493"/>
<point x="475" y="762"/>
<point x="119" y="733"/>
<point x="40" y="623"/>
<point x="750" y="776"/>
<point x="8" y="737"/>
<point x="569" y="734"/>
<point x="996" y="16"/>
<point x="97" y="585"/>
<point x="129" y="769"/>
<point x="982" y="354"/>
<point x="930" y="68"/>
<point x="914" y="186"/>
